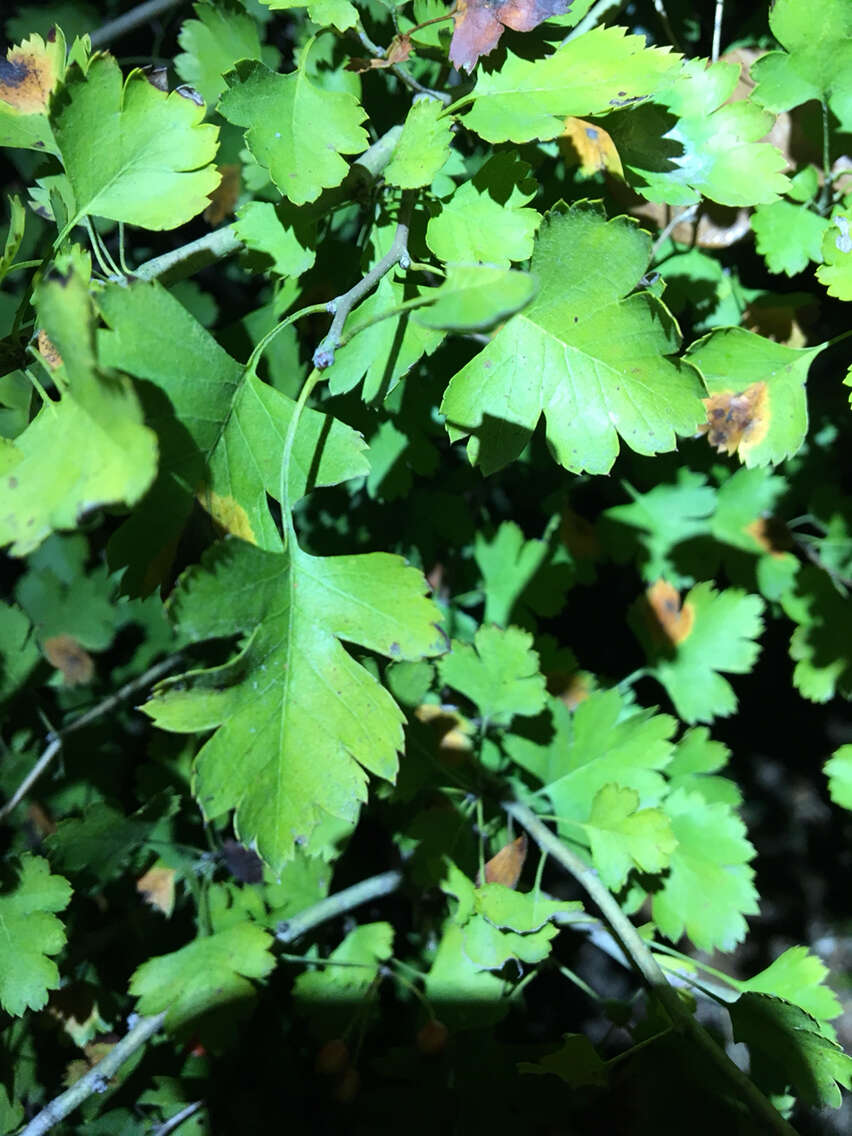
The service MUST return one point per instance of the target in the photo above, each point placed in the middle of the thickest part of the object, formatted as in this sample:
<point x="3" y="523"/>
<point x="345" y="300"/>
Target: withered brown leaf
<point x="480" y="23"/>
<point x="736" y="421"/>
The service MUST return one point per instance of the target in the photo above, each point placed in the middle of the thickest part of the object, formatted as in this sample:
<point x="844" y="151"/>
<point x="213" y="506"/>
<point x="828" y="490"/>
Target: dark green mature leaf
<point x="300" y="723"/>
<point x="817" y="62"/>
<point x="103" y="839"/>
<point x="132" y="152"/>
<point x="30" y="933"/>
<point x="527" y="99"/>
<point x="788" y="1049"/>
<point x="593" y="362"/>
<point x="298" y="131"/>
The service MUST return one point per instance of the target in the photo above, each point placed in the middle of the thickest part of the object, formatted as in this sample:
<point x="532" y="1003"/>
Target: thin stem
<point x="667" y="27"/>
<point x="121" y="257"/>
<point x="105" y="261"/>
<point x="683" y="217"/>
<point x="594" y="15"/>
<point x="402" y="73"/>
<point x="263" y="343"/>
<point x="96" y="1079"/>
<point x="342" y="305"/>
<point x="98" y="711"/>
<point x="333" y="906"/>
<point x="649" y="969"/>
<point x="717" y="29"/>
<point x="305" y="393"/>
<point x="142" y="14"/>
<point x="177" y="1120"/>
<point x="388" y="313"/>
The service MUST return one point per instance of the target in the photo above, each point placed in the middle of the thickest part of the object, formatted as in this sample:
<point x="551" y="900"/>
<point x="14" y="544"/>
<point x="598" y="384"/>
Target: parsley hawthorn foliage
<point x="418" y="476"/>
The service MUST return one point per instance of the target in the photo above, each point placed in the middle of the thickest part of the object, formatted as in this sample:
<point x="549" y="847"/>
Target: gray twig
<point x="342" y="305"/>
<point x="121" y="25"/>
<point x="177" y="1120"/>
<point x="98" y="711"/>
<point x="374" y="887"/>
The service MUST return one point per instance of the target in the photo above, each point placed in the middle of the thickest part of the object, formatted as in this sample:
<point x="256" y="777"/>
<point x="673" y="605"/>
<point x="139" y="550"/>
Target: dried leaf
<point x="74" y="661"/>
<point x="28" y="75"/>
<point x="667" y="622"/>
<point x="224" y="197"/>
<point x="157" y="887"/>
<point x="48" y="351"/>
<point x="480" y="23"/>
<point x="737" y="421"/>
<point x="505" y="867"/>
<point x="398" y="51"/>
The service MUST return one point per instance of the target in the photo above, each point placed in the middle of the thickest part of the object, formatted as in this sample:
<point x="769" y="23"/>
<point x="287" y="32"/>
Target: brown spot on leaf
<point x="772" y="535"/>
<point x="224" y="197"/>
<point x="571" y="689"/>
<point x="667" y="622"/>
<point x="48" y="351"/>
<point x="737" y="421"/>
<point x="74" y="661"/>
<point x="480" y="23"/>
<point x="28" y="76"/>
<point x="157" y="887"/>
<point x="506" y="866"/>
<point x="398" y="51"/>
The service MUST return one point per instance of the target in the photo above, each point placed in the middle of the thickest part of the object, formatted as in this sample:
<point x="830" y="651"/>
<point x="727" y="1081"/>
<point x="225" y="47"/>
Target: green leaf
<point x="212" y="44"/>
<point x="297" y="130"/>
<point x="838" y="770"/>
<point x="576" y="1063"/>
<point x="798" y="977"/>
<point x="592" y="362"/>
<point x="622" y="836"/>
<point x="14" y="235"/>
<point x="498" y="673"/>
<point x="817" y="63"/>
<point x="423" y="146"/>
<point x="203" y="976"/>
<point x="469" y="997"/>
<point x="734" y="361"/>
<point x="19" y="652"/>
<point x="476" y="296"/>
<point x="520" y="574"/>
<point x="708" y="888"/>
<point x="528" y="99"/>
<point x="235" y="423"/>
<point x="288" y="240"/>
<point x="103" y="839"/>
<point x="30" y="932"/>
<point x="300" y="723"/>
<point x="820" y="644"/>
<point x="132" y="152"/>
<point x="694" y="765"/>
<point x="788" y="1049"/>
<point x="86" y="450"/>
<point x="602" y="742"/>
<point x="358" y="959"/>
<point x="487" y="218"/>
<point x="710" y="147"/>
<point x="788" y="236"/>
<point x="836" y="273"/>
<point x="715" y="631"/>
<point x="335" y="13"/>
<point x="384" y="352"/>
<point x="24" y="104"/>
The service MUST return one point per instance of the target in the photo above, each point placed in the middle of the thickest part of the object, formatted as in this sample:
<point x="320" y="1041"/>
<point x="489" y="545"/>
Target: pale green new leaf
<point x="203" y="976"/>
<point x="817" y="62"/>
<point x="591" y="361"/>
<point x="335" y="13"/>
<point x="709" y="885"/>
<point x="692" y="142"/>
<point x="300" y="723"/>
<point x="528" y="99"/>
<point x="789" y="236"/>
<point x="423" y="147"/>
<point x="499" y="673"/>
<point x="836" y="273"/>
<point x="212" y="43"/>
<point x="487" y="218"/>
<point x="88" y="449"/>
<point x="132" y="152"/>
<point x="622" y="836"/>
<point x="694" y="768"/>
<point x="789" y="1050"/>
<point x="733" y="360"/>
<point x="721" y="633"/>
<point x="297" y="130"/>
<point x="798" y="977"/>
<point x="476" y="296"/>
<point x="600" y="743"/>
<point x="838" y="770"/>
<point x="30" y="933"/>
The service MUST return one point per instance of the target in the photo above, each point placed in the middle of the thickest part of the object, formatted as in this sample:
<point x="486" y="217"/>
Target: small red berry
<point x="332" y="1058"/>
<point x="432" y="1037"/>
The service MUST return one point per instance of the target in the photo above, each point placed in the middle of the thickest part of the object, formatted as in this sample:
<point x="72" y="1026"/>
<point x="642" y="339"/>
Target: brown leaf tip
<point x="74" y="661"/>
<point x="737" y="421"/>
<point x="480" y="23"/>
